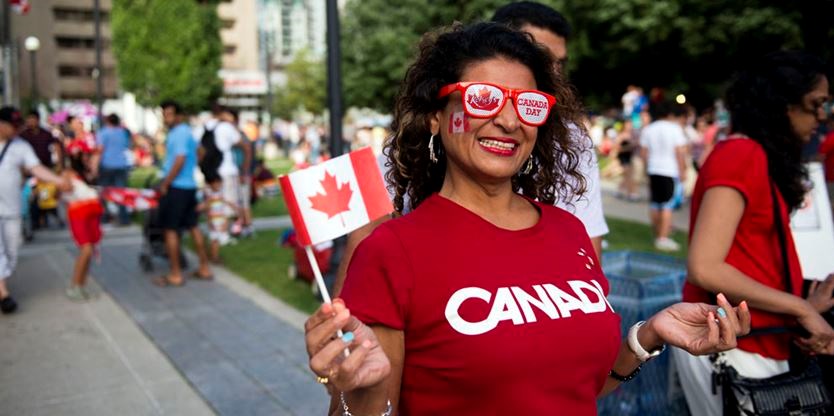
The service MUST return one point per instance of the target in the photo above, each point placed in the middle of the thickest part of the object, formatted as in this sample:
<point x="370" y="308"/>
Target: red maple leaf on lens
<point x="335" y="199"/>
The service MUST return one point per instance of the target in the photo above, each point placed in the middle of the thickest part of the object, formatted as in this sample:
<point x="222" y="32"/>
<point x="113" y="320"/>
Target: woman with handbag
<point x="740" y="242"/>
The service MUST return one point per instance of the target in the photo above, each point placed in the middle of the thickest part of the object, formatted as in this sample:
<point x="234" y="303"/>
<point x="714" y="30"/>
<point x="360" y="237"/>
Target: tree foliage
<point x="380" y="39"/>
<point x="168" y="49"/>
<point x="689" y="46"/>
<point x="306" y="87"/>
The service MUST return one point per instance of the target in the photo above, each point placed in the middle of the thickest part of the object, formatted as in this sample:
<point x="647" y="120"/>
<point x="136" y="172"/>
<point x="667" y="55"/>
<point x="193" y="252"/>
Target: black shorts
<point x="624" y="158"/>
<point x="178" y="209"/>
<point x="662" y="188"/>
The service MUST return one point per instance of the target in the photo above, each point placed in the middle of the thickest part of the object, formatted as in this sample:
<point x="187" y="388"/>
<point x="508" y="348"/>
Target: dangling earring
<point x="432" y="156"/>
<point x="528" y="167"/>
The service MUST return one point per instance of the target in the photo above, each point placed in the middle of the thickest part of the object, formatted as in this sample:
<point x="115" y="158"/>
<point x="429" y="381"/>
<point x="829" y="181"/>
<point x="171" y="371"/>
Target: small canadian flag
<point x="459" y="123"/>
<point x="139" y="199"/>
<point x="335" y="197"/>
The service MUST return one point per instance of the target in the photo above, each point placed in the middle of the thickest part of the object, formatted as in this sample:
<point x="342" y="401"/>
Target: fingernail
<point x="744" y="304"/>
<point x="722" y="313"/>
<point x="347" y="337"/>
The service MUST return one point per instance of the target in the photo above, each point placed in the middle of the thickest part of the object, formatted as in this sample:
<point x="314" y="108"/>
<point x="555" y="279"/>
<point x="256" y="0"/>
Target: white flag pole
<point x="311" y="257"/>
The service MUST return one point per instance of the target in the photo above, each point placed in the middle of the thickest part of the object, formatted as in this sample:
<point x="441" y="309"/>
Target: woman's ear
<point x="434" y="122"/>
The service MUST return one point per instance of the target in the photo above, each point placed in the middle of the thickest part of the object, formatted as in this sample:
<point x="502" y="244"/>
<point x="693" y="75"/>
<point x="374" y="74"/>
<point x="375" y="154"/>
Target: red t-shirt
<point x="827" y="150"/>
<point x="495" y="321"/>
<point x="741" y="164"/>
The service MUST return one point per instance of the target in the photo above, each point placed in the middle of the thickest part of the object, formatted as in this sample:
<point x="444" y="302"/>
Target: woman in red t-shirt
<point x="486" y="299"/>
<point x="775" y="106"/>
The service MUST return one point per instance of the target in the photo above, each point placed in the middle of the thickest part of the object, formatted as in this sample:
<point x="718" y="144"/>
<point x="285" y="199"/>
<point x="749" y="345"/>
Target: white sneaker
<point x="76" y="294"/>
<point x="666" y="244"/>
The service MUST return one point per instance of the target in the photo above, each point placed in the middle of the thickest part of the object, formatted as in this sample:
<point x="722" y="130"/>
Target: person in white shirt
<point x="550" y="29"/>
<point x="16" y="157"/>
<point x="664" y="151"/>
<point x="226" y="137"/>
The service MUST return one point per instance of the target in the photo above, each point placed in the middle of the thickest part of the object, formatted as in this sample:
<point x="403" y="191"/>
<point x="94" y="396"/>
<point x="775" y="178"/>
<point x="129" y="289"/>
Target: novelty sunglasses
<point x="485" y="100"/>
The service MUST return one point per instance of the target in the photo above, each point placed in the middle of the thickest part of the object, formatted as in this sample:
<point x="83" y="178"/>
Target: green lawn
<point x="627" y="235"/>
<point x="279" y="166"/>
<point x="263" y="262"/>
<point x="138" y="177"/>
<point x="269" y="207"/>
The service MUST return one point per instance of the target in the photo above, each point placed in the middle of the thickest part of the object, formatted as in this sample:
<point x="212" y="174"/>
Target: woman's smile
<point x="502" y="146"/>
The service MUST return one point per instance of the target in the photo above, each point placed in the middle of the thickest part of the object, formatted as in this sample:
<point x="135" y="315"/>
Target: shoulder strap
<point x="5" y="148"/>
<point x="786" y="270"/>
<point x="783" y="241"/>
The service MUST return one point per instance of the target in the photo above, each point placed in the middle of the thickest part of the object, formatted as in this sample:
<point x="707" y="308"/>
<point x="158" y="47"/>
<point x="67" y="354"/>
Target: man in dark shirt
<point x="44" y="143"/>
<point x="41" y="140"/>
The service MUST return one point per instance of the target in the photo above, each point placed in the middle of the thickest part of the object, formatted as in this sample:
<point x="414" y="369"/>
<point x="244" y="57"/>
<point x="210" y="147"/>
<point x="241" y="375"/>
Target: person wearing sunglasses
<point x="485" y="298"/>
<point x="740" y="239"/>
<point x="549" y="28"/>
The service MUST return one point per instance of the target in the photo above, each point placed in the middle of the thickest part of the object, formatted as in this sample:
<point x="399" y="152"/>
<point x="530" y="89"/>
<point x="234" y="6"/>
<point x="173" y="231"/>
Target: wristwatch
<point x="638" y="349"/>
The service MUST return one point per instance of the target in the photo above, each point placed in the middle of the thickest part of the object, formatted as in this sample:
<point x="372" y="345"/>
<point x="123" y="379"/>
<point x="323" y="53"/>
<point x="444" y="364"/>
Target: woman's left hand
<point x="699" y="328"/>
<point x="821" y="294"/>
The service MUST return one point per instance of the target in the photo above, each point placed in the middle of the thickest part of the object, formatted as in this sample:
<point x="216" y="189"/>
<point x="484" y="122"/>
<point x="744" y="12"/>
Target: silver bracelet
<point x="346" y="410"/>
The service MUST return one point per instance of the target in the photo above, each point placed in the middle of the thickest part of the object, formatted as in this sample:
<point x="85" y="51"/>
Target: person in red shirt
<point x="826" y="151"/>
<point x="485" y="298"/>
<point x="775" y="106"/>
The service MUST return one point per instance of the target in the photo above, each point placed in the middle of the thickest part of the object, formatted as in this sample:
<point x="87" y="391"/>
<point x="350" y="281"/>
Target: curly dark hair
<point x="758" y="100"/>
<point x="443" y="56"/>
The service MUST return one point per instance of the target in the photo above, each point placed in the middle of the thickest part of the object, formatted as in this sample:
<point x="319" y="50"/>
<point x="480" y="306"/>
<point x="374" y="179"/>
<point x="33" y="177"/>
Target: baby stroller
<point x="153" y="242"/>
<point x="153" y="236"/>
<point x="301" y="265"/>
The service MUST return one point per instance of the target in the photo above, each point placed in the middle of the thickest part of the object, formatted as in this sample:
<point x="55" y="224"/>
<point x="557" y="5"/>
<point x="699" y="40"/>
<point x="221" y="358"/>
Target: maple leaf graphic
<point x="335" y="199"/>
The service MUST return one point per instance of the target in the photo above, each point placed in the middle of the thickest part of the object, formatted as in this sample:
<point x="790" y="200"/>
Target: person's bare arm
<point x="372" y="373"/>
<point x="59" y="156"/>
<point x="43" y="173"/>
<point x="95" y="159"/>
<point x="372" y="400"/>
<point x="697" y="328"/>
<point x="353" y="239"/>
<point x="712" y="236"/>
<point x="246" y="146"/>
<point x="596" y="242"/>
<point x="680" y="154"/>
<point x="176" y="167"/>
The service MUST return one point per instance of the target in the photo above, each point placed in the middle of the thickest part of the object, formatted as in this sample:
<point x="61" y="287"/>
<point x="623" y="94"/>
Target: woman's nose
<point x="507" y="118"/>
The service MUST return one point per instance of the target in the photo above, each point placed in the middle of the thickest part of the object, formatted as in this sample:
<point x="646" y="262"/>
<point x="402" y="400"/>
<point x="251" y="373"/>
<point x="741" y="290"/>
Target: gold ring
<point x="322" y="380"/>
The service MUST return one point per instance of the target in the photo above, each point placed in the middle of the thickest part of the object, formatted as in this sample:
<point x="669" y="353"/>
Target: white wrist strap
<point x="638" y="349"/>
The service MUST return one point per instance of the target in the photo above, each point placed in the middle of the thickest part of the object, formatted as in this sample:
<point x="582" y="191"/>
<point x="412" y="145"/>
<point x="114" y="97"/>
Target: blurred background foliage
<point x="683" y="46"/>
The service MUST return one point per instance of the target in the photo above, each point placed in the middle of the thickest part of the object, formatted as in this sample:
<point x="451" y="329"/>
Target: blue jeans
<point x="114" y="177"/>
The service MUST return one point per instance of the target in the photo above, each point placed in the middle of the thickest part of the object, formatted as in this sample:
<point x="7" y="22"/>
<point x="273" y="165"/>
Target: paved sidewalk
<point x="223" y="347"/>
<point x="61" y="358"/>
<point x="240" y="356"/>
<point x="637" y="211"/>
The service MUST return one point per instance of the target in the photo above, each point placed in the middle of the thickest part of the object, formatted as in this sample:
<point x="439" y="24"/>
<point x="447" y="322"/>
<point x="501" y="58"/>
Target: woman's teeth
<point x="497" y="144"/>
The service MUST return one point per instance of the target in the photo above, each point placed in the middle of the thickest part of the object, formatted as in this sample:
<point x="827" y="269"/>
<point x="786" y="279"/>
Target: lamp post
<point x="32" y="44"/>
<point x="97" y="70"/>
